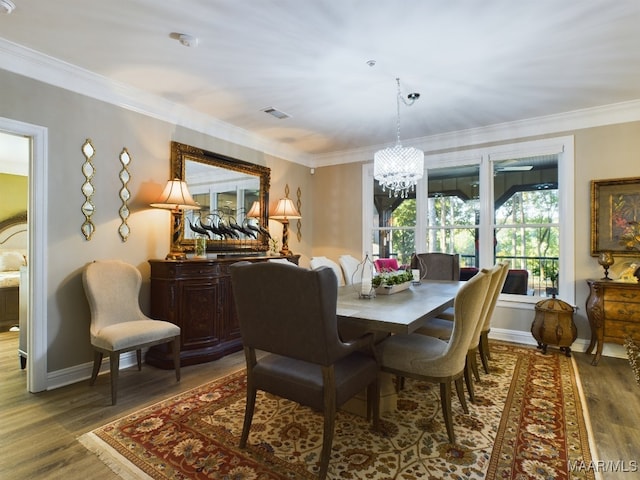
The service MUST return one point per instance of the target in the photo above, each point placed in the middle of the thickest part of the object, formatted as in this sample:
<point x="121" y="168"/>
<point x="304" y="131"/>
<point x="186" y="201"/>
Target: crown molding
<point x="33" y="64"/>
<point x="30" y="63"/>
<point x="551" y="124"/>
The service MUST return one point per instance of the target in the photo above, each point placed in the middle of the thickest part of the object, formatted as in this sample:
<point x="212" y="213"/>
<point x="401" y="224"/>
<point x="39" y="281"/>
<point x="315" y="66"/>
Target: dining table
<point x="401" y="312"/>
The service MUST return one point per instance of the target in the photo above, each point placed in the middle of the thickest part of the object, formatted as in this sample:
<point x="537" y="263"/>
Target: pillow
<point x="11" y="261"/>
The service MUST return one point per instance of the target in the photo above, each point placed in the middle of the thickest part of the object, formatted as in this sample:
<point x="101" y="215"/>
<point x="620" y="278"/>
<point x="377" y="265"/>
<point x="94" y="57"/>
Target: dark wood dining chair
<point x="290" y="313"/>
<point x="437" y="266"/>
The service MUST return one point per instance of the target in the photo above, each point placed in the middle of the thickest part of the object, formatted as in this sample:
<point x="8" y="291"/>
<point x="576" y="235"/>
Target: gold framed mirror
<point x="226" y="189"/>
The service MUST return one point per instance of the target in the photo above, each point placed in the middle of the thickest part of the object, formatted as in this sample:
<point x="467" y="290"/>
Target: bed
<point x="13" y="250"/>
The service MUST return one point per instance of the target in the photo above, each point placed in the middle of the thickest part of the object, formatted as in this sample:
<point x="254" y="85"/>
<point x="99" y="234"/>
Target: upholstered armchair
<point x="437" y="266"/>
<point x="118" y="325"/>
<point x="430" y="359"/>
<point x="290" y="313"/>
<point x="316" y="262"/>
<point x="349" y="265"/>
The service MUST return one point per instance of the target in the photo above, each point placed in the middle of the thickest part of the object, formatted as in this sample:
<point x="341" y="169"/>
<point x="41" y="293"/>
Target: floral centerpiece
<point x="390" y="282"/>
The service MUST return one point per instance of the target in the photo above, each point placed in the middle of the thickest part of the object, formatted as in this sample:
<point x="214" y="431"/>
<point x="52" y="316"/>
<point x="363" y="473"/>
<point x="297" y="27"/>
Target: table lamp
<point x="176" y="197"/>
<point x="284" y="211"/>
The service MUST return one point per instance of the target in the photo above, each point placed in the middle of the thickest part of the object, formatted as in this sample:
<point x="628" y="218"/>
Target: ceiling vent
<point x="276" y="113"/>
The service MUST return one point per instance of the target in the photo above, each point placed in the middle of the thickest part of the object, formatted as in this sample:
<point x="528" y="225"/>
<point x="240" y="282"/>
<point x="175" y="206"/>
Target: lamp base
<point x="286" y="252"/>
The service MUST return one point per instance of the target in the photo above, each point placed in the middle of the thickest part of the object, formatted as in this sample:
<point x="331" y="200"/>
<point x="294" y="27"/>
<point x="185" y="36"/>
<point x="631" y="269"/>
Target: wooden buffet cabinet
<point x="196" y="295"/>
<point x="613" y="309"/>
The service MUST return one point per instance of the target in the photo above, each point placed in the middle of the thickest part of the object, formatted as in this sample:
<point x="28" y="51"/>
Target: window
<point x="394" y="221"/>
<point x="453" y="212"/>
<point x="498" y="203"/>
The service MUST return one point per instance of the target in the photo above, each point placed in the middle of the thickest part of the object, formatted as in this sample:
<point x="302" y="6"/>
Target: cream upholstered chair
<point x="430" y="359"/>
<point x="316" y="262"/>
<point x="290" y="313"/>
<point x="118" y="325"/>
<point x="349" y="265"/>
<point x="443" y="329"/>
<point x="483" y="345"/>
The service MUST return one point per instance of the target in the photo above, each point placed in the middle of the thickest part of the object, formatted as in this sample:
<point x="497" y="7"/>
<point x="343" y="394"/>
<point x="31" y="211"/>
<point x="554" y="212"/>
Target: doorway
<point x="36" y="334"/>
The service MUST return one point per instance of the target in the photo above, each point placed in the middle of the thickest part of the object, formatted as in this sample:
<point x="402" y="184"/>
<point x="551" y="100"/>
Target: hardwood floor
<point x="38" y="432"/>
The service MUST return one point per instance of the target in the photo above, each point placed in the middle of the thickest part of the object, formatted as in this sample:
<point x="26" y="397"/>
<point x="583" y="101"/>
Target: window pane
<point x="453" y="212"/>
<point x="527" y="229"/>
<point x="394" y="243"/>
<point x="393" y="211"/>
<point x="457" y="240"/>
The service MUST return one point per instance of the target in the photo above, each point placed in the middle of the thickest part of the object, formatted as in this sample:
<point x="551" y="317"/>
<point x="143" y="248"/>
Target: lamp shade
<point x="285" y="209"/>
<point x="254" y="211"/>
<point x="176" y="196"/>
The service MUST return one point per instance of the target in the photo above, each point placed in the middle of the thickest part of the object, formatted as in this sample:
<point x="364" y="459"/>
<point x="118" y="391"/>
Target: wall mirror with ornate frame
<point x="226" y="189"/>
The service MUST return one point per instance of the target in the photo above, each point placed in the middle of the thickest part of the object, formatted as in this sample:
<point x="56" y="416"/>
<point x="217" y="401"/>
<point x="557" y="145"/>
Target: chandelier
<point x="399" y="168"/>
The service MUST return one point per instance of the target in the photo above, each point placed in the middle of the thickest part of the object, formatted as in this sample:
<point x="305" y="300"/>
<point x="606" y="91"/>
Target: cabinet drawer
<point x="197" y="269"/>
<point x="630" y="295"/>
<point x="620" y="330"/>
<point x="629" y="312"/>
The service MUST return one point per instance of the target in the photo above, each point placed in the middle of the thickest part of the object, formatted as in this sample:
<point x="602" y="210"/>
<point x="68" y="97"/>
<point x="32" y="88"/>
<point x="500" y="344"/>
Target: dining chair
<point x="430" y="359"/>
<point x="349" y="265"/>
<point x="436" y="265"/>
<point x="483" y="345"/>
<point x="386" y="264"/>
<point x="317" y="262"/>
<point x="290" y="313"/>
<point x="442" y="328"/>
<point x="112" y="288"/>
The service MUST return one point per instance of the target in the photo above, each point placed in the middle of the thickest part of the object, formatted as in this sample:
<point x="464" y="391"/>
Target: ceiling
<point x="474" y="63"/>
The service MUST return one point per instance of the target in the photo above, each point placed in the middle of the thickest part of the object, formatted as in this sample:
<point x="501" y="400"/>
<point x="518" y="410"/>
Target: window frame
<point x="562" y="146"/>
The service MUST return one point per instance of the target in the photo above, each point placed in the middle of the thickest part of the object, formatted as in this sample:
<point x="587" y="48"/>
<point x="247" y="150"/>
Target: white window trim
<point x="561" y="146"/>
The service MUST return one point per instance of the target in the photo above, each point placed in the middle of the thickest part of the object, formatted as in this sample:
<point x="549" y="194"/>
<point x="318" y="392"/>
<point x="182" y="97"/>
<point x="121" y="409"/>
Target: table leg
<point x="388" y="398"/>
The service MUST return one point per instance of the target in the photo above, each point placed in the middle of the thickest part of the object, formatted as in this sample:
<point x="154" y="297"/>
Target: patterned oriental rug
<point x="528" y="422"/>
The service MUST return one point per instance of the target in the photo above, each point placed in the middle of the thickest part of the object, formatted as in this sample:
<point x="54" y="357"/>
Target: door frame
<point x="36" y="321"/>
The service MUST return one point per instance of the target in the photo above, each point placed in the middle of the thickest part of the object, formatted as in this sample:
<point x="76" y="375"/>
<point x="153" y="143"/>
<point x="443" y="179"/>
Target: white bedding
<point x="9" y="279"/>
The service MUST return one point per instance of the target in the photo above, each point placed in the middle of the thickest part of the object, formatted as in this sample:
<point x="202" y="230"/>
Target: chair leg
<point x="97" y="361"/>
<point x="139" y="358"/>
<point x="327" y="440"/>
<point x="114" y="360"/>
<point x="468" y="380"/>
<point x="248" y="413"/>
<point x="483" y="348"/>
<point x="461" y="397"/>
<point x="472" y="358"/>
<point x="176" y="357"/>
<point x="445" y="400"/>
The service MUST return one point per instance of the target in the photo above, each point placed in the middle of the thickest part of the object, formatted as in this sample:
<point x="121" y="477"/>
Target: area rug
<point x="527" y="422"/>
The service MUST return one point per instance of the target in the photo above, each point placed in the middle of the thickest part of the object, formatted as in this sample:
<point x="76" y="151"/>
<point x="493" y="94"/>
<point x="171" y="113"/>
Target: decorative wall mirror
<point x="226" y="189"/>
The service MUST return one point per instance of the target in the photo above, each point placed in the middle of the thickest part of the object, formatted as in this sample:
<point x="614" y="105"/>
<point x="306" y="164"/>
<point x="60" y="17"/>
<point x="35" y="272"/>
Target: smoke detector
<point x="186" y="39"/>
<point x="7" y="6"/>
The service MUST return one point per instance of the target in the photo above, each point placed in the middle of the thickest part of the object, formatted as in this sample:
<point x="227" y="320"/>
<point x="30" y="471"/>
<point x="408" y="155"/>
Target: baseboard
<point x="580" y="345"/>
<point x="79" y="373"/>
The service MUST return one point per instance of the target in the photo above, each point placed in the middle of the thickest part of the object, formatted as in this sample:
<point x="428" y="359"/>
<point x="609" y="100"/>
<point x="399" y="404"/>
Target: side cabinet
<point x="196" y="295"/>
<point x="613" y="309"/>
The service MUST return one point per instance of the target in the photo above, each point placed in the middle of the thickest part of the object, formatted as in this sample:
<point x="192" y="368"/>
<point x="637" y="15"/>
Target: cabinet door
<point x="201" y="313"/>
<point x="231" y="327"/>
